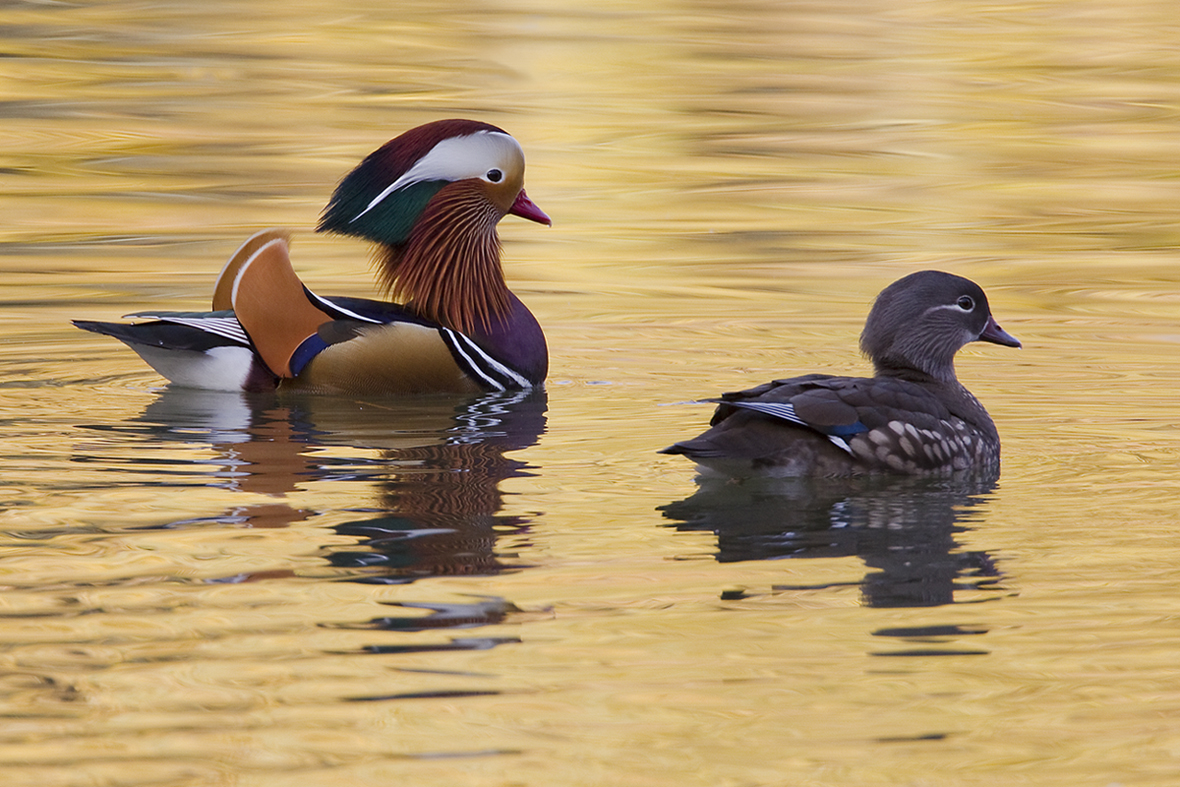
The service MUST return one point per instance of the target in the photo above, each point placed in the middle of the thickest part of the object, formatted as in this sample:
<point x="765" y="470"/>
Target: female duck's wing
<point x="878" y="424"/>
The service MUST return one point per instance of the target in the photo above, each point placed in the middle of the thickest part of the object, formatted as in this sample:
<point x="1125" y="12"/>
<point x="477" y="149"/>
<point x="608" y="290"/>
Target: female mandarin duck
<point x="914" y="417"/>
<point x="431" y="200"/>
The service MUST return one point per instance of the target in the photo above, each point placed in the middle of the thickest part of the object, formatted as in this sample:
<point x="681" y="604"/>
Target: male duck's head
<point x="920" y="321"/>
<point x="431" y="199"/>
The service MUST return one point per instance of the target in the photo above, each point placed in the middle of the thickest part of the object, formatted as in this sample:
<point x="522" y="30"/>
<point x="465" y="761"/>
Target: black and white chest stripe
<point x="477" y="363"/>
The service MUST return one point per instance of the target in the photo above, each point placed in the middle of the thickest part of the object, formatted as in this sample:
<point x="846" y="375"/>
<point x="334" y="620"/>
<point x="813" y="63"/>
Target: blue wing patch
<point x="838" y="434"/>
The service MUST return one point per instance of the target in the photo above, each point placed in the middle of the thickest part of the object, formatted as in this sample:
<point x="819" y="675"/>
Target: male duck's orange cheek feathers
<point x="449" y="270"/>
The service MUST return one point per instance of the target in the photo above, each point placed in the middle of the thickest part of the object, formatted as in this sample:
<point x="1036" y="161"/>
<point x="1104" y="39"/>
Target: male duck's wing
<point x="495" y="361"/>
<point x="223" y="288"/>
<point x="382" y="346"/>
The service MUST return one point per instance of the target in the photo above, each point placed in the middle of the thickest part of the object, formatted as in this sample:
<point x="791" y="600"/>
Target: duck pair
<point x="431" y="200"/>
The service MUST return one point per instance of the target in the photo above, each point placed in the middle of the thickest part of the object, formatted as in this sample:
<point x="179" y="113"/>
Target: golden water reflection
<point x="226" y="591"/>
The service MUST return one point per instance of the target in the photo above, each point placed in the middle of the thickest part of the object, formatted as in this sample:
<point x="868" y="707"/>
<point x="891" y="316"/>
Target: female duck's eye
<point x="965" y="303"/>
<point x="494" y="175"/>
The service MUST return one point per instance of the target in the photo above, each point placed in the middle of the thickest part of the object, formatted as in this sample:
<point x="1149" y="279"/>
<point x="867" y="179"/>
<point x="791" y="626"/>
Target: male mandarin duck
<point x="914" y="417"/>
<point x="431" y="199"/>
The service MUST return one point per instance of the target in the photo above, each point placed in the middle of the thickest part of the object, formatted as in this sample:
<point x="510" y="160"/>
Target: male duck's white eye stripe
<point x="456" y="158"/>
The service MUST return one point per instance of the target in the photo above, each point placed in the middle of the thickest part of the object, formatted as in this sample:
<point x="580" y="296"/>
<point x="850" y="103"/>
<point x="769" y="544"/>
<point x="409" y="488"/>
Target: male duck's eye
<point x="494" y="175"/>
<point x="965" y="303"/>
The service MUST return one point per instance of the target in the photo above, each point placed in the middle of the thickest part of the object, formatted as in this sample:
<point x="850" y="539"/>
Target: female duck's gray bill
<point x="992" y="332"/>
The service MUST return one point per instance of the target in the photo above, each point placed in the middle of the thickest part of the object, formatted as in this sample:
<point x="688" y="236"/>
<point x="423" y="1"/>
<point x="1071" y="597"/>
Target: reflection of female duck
<point x="902" y="526"/>
<point x="431" y="200"/>
<point x="914" y="417"/>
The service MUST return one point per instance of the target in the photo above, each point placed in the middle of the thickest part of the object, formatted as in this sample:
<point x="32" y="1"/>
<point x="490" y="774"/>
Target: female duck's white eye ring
<point x="965" y="303"/>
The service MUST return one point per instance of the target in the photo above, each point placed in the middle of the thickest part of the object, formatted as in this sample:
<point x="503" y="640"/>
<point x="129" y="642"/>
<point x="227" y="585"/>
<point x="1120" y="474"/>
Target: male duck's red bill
<point x="430" y="199"/>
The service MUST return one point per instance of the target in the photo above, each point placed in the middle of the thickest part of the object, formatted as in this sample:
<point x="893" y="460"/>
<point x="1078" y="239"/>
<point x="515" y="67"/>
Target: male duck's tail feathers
<point x="208" y="351"/>
<point x="166" y="334"/>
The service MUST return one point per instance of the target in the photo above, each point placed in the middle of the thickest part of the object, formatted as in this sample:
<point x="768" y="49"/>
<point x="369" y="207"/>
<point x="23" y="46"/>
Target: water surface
<point x="222" y="589"/>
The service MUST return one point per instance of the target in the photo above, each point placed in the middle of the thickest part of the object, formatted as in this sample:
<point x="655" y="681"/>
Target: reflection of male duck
<point x="904" y="527"/>
<point x="439" y="463"/>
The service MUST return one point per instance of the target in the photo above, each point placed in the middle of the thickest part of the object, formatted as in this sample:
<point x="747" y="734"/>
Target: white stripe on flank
<point x="786" y="412"/>
<point x="333" y="306"/>
<point x="474" y="369"/>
